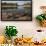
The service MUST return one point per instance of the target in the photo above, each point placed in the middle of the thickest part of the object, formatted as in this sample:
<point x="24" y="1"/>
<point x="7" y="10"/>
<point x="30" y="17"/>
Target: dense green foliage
<point x="11" y="31"/>
<point x="41" y="17"/>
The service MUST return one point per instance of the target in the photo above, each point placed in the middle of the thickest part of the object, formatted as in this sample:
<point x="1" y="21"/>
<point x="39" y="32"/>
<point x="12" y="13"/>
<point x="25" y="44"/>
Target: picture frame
<point x="16" y="10"/>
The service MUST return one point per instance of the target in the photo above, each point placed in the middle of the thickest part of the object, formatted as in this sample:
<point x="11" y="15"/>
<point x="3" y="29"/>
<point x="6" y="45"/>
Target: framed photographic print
<point x="16" y="10"/>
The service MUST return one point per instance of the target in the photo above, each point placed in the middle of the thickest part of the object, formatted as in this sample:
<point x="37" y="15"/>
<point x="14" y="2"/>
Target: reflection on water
<point x="21" y="7"/>
<point x="17" y="10"/>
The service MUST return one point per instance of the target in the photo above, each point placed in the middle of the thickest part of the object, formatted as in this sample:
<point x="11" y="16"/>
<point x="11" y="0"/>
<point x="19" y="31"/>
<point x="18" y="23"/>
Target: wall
<point x="27" y="28"/>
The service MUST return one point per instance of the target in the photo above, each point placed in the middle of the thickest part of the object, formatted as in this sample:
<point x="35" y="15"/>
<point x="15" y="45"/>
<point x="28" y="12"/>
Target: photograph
<point x="16" y="10"/>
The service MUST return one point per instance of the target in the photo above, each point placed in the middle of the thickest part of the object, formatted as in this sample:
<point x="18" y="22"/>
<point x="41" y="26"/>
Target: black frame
<point x="14" y="20"/>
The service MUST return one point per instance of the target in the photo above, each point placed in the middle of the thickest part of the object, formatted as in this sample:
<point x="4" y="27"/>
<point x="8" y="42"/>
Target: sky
<point x="19" y="2"/>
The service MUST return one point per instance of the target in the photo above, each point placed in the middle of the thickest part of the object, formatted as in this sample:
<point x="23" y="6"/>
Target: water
<point x="19" y="9"/>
